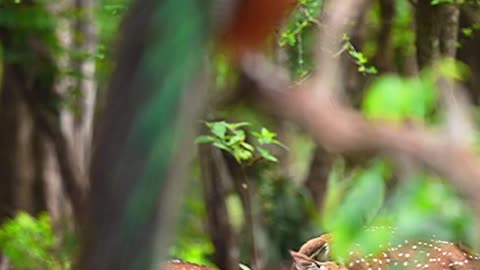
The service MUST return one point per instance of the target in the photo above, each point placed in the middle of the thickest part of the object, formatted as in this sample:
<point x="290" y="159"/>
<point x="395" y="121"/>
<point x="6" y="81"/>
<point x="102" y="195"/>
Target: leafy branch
<point x="231" y="138"/>
<point x="360" y="59"/>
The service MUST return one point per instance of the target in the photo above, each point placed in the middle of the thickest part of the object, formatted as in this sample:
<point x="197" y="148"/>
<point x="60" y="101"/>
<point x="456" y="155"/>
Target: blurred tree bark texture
<point x="436" y="32"/>
<point x="215" y="174"/>
<point x="144" y="138"/>
<point x="40" y="171"/>
<point x="468" y="51"/>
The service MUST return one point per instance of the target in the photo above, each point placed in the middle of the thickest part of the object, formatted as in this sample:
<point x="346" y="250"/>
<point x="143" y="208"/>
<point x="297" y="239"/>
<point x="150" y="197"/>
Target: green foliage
<point x="470" y="2"/>
<point x="468" y="32"/>
<point x="304" y="17"/>
<point x="108" y="14"/>
<point x="223" y="71"/>
<point x="192" y="243"/>
<point x="438" y="2"/>
<point x="449" y="69"/>
<point x="426" y="206"/>
<point x="358" y="207"/>
<point x="232" y="139"/>
<point x="32" y="22"/>
<point x="421" y="208"/>
<point x="395" y="98"/>
<point x="403" y="36"/>
<point x="30" y="243"/>
<point x="288" y="213"/>
<point x="359" y="58"/>
<point x="297" y="32"/>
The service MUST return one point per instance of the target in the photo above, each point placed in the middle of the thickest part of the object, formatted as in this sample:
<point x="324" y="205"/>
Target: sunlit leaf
<point x="395" y="98"/>
<point x="219" y="129"/>
<point x="238" y="136"/>
<point x="234" y="126"/>
<point x="204" y="139"/>
<point x="248" y="146"/>
<point x="451" y="69"/>
<point x="359" y="207"/>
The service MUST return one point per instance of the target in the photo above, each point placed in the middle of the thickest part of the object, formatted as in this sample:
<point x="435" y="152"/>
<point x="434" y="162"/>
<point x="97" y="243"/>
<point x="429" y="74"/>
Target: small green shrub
<point x="30" y="243"/>
<point x="231" y="138"/>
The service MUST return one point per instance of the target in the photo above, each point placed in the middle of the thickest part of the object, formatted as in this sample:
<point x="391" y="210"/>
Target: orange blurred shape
<point x="253" y="21"/>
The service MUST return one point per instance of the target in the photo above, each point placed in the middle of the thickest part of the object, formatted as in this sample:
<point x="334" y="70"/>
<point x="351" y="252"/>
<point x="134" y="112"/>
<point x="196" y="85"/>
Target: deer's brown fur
<point x="426" y="255"/>
<point x="409" y="255"/>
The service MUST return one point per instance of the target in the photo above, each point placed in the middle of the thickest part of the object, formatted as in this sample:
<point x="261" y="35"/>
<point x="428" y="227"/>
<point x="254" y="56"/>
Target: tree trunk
<point x="214" y="174"/>
<point x="27" y="117"/>
<point x="437" y="31"/>
<point x="468" y="52"/>
<point x="317" y="178"/>
<point x="77" y="121"/>
<point x="144" y="139"/>
<point x="38" y="170"/>
<point x="384" y="56"/>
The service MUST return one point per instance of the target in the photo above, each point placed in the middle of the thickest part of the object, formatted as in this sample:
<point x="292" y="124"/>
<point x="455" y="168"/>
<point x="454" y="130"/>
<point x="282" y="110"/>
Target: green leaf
<point x="222" y="146"/>
<point x="204" y="139"/>
<point x="247" y="146"/>
<point x="452" y="69"/>
<point x="266" y="154"/>
<point x="242" y="154"/>
<point x="467" y="31"/>
<point x="219" y="129"/>
<point x="238" y="136"/>
<point x="265" y="136"/>
<point x="359" y="208"/>
<point x="234" y="126"/>
<point x="385" y="98"/>
<point x="395" y="98"/>
<point x="277" y="142"/>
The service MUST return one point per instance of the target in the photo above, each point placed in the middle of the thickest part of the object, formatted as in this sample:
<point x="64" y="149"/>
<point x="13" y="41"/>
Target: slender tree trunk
<point x="144" y="139"/>
<point x="317" y="178"/>
<point x="468" y="52"/>
<point x="38" y="170"/>
<point x="427" y="33"/>
<point x="384" y="56"/>
<point x="214" y="175"/>
<point x="78" y="91"/>
<point x="27" y="98"/>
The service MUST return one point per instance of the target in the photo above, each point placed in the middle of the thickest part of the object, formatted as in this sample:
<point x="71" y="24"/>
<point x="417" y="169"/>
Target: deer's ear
<point x="322" y="254"/>
<point x="301" y="261"/>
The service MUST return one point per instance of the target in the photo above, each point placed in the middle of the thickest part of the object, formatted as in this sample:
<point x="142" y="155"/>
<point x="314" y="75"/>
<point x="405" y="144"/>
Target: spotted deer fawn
<point x="421" y="255"/>
<point x="426" y="255"/>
